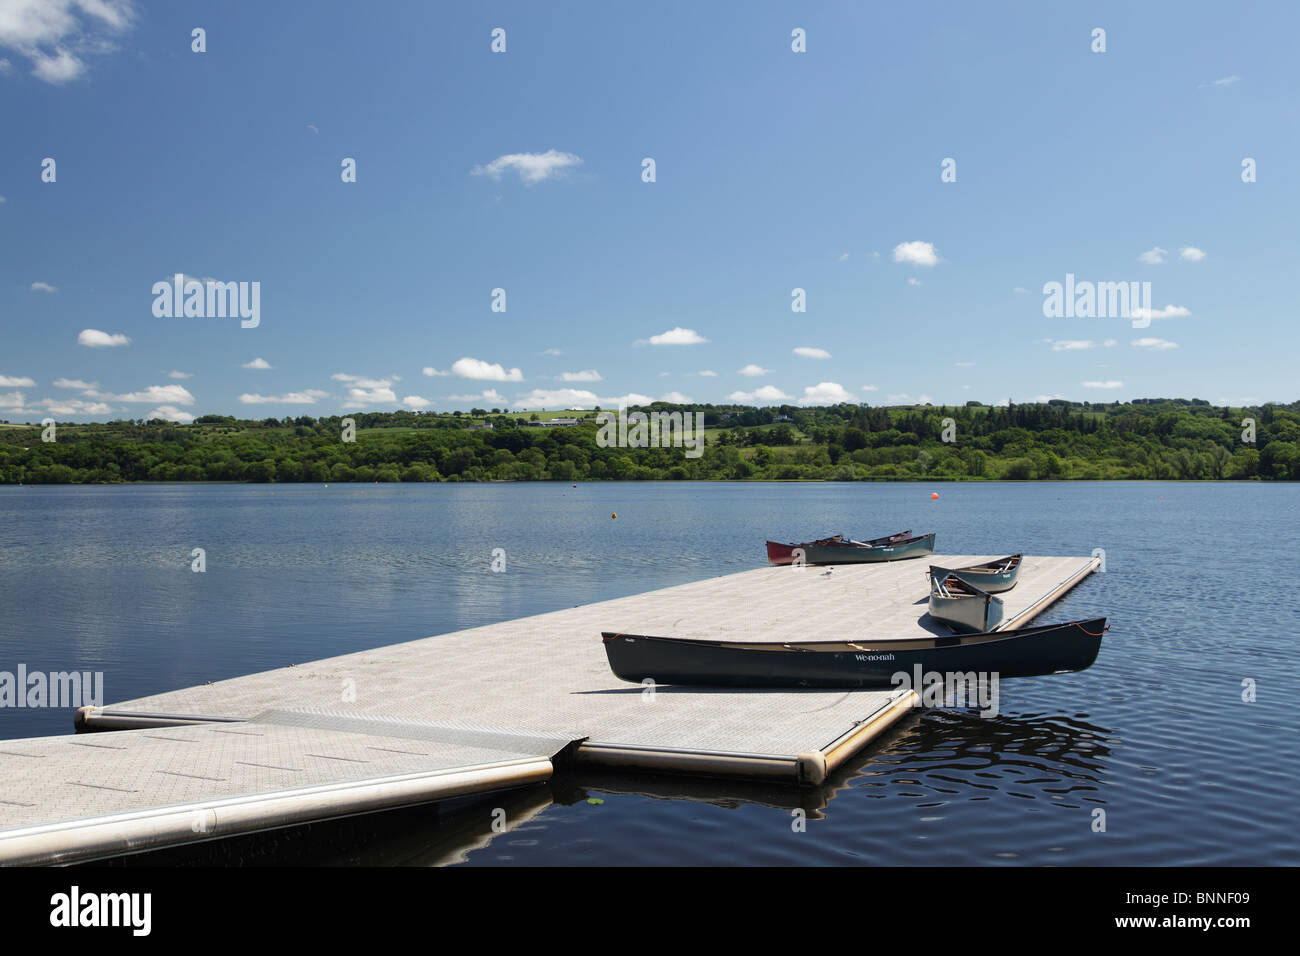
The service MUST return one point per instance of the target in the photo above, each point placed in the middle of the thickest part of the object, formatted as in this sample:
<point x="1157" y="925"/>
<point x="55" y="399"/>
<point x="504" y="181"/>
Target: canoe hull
<point x="973" y="614"/>
<point x="779" y="553"/>
<point x="991" y="582"/>
<point x="851" y="554"/>
<point x="1030" y="652"/>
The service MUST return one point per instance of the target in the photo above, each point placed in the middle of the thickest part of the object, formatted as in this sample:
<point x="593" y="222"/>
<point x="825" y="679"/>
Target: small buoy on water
<point x="934" y="495"/>
<point x="575" y="486"/>
<point x="614" y="515"/>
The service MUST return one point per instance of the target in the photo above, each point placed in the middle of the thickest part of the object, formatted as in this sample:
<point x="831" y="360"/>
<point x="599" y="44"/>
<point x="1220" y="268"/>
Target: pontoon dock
<point x="474" y="711"/>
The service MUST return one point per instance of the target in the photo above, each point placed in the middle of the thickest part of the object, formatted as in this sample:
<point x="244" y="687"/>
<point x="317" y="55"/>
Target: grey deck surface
<point x="46" y="780"/>
<point x="538" y="673"/>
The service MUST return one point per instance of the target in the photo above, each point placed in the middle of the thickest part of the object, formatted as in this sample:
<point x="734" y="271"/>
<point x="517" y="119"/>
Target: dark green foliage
<point x="1148" y="438"/>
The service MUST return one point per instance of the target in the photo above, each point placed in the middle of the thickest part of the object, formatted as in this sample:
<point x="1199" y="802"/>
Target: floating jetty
<point x="474" y="711"/>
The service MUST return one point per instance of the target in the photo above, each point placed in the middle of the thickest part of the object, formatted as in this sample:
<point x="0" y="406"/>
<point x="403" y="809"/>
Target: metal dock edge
<point x="76" y="841"/>
<point x="807" y="769"/>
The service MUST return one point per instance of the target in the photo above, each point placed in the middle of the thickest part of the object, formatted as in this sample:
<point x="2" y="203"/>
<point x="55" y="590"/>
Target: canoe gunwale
<point x="872" y="646"/>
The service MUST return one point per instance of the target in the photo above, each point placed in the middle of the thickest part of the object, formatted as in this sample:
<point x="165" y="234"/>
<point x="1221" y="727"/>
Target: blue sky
<point x="522" y="170"/>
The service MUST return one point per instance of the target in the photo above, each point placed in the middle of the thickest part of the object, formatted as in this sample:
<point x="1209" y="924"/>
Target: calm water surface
<point x="1155" y="734"/>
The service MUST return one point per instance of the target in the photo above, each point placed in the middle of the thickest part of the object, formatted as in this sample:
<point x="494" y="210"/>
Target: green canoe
<point x="963" y="606"/>
<point x="991" y="576"/>
<point x="864" y="552"/>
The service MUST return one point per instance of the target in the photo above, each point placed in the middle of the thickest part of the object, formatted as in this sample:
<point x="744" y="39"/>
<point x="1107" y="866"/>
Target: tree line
<point x="1142" y="439"/>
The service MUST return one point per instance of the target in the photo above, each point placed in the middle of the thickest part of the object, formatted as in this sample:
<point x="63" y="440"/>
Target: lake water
<point x="1156" y="733"/>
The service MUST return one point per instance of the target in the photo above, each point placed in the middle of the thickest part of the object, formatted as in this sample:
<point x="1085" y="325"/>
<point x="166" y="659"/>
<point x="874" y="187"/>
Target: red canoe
<point x="778" y="553"/>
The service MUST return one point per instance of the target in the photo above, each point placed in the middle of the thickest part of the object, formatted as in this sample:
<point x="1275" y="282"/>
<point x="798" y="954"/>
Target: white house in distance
<point x="557" y="422"/>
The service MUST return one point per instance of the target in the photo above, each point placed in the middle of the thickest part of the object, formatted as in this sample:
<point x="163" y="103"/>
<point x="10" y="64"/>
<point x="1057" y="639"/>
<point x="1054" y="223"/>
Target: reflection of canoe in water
<point x="778" y="553"/>
<point x="963" y="606"/>
<point x="1029" y="652"/>
<point x="866" y="552"/>
<point x="991" y="576"/>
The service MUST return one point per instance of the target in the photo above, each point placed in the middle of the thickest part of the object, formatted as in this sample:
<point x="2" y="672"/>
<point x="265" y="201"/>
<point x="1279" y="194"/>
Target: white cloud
<point x="708" y="373"/>
<point x="1044" y="399"/>
<point x="258" y="363"/>
<point x="764" y="393"/>
<point x="165" y="394"/>
<point x="1222" y="81"/>
<point x="362" y="390"/>
<point x="95" y="339"/>
<point x="416" y="401"/>
<point x="531" y="167"/>
<point x="1155" y="345"/>
<point x="826" y="393"/>
<point x="1020" y="290"/>
<point x="754" y="370"/>
<point x="676" y="398"/>
<point x="1153" y="256"/>
<point x="1077" y="345"/>
<point x="12" y="400"/>
<point x="75" y="383"/>
<point x="844" y="257"/>
<point x="916" y="253"/>
<point x="870" y="388"/>
<point x="1191" y="253"/>
<point x="309" y="397"/>
<point x="1168" y="312"/>
<point x="485" y="371"/>
<point x="73" y="406"/>
<point x="552" y="352"/>
<point x="912" y="280"/>
<point x="170" y="413"/>
<point x="376" y="395"/>
<point x="5" y="69"/>
<point x="16" y="381"/>
<point x="631" y="398"/>
<point x="1110" y="384"/>
<point x="43" y="287"/>
<point x="489" y="396"/>
<point x="674" y="336"/>
<point x="807" y="351"/>
<point x="431" y="371"/>
<point x="361" y="381"/>
<point x="55" y="34"/>
<point x="541" y="398"/>
<point x="175" y="374"/>
<point x="587" y="375"/>
<point x="577" y="398"/>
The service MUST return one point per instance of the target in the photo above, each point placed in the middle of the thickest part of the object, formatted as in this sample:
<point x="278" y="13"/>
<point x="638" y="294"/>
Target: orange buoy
<point x="934" y="495"/>
<point x="614" y="515"/>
